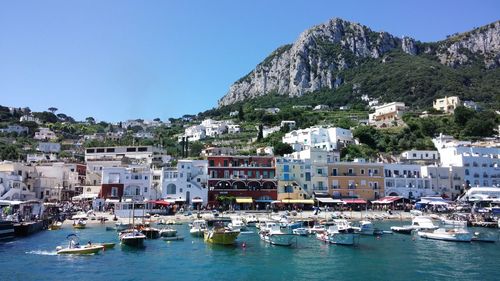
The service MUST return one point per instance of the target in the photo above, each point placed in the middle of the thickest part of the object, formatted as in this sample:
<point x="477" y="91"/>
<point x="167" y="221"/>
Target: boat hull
<point x="168" y="233"/>
<point x="6" y="230"/>
<point x="221" y="238"/>
<point x="279" y="239"/>
<point x="87" y="250"/>
<point x="402" y="230"/>
<point x="459" y="237"/>
<point x="132" y="241"/>
<point x="27" y="228"/>
<point x="348" y="239"/>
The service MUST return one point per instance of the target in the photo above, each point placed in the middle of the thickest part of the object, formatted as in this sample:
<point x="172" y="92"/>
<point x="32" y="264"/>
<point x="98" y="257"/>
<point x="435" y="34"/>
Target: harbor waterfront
<point x="385" y="257"/>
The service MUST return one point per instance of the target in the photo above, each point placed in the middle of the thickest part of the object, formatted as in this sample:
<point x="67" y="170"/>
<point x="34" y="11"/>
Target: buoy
<point x="244" y="245"/>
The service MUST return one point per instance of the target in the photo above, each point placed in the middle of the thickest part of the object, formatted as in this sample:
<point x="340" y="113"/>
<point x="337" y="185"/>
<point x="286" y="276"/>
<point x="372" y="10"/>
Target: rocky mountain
<point x="321" y="56"/>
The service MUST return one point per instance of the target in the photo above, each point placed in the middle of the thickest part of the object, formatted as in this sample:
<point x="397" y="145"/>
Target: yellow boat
<point x="106" y="245"/>
<point x="85" y="250"/>
<point x="55" y="226"/>
<point x="220" y="235"/>
<point x="80" y="224"/>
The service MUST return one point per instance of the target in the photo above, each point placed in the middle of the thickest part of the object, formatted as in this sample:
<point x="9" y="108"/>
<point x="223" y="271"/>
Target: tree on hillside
<point x="52" y="109"/>
<point x="260" y="135"/>
<point x="463" y="114"/>
<point x="90" y="120"/>
<point x="282" y="149"/>
<point x="367" y="135"/>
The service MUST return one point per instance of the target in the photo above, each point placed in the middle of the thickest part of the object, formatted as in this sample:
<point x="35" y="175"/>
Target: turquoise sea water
<point x="392" y="257"/>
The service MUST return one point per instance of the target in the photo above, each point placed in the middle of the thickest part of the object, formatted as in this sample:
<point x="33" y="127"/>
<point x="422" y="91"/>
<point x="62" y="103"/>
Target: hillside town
<point x="311" y="172"/>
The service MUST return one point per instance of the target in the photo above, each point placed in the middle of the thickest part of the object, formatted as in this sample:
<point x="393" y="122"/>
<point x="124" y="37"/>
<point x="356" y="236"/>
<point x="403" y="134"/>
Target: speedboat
<point x="273" y="234"/>
<point x="55" y="225"/>
<point x="80" y="224"/>
<point x="418" y="223"/>
<point x="453" y="222"/>
<point x="106" y="245"/>
<point x="250" y="221"/>
<point x="132" y="237"/>
<point x="168" y="232"/>
<point x="220" y="234"/>
<point x="337" y="234"/>
<point x="262" y="223"/>
<point x="80" y="250"/>
<point x="74" y="247"/>
<point x="122" y="226"/>
<point x="237" y="224"/>
<point x="198" y="227"/>
<point x="447" y="234"/>
<point x="301" y="231"/>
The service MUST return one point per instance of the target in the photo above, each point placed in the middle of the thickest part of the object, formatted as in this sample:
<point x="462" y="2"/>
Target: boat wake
<point x="42" y="253"/>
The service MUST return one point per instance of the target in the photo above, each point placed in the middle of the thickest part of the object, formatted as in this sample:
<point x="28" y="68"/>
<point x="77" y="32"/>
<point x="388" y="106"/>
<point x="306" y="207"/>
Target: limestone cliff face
<point x="479" y="45"/>
<point x="316" y="59"/>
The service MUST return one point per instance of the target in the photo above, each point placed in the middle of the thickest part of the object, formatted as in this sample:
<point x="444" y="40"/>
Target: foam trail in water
<point x="43" y="253"/>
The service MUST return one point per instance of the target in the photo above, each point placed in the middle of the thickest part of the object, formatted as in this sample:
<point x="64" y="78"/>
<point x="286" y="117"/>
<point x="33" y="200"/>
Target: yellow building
<point x="356" y="179"/>
<point x="294" y="178"/>
<point x="447" y="104"/>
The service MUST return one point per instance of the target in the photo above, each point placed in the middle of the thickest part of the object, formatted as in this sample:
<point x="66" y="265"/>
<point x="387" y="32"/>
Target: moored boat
<point x="6" y="230"/>
<point x="132" y="237"/>
<point x="220" y="234"/>
<point x="273" y="234"/>
<point x="80" y="224"/>
<point x="198" y="227"/>
<point x="168" y="232"/>
<point x="418" y="223"/>
<point x="55" y="225"/>
<point x="301" y="231"/>
<point x="151" y="232"/>
<point x="447" y="234"/>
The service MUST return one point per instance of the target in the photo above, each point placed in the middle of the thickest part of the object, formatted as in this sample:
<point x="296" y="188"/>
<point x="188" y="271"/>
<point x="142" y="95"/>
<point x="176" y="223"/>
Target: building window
<point x="171" y="189"/>
<point x="145" y="190"/>
<point x="362" y="171"/>
<point x="350" y="171"/>
<point x="334" y="172"/>
<point x="142" y="149"/>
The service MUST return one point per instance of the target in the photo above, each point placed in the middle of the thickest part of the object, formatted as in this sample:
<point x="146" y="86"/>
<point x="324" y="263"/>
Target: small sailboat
<point x="132" y="237"/>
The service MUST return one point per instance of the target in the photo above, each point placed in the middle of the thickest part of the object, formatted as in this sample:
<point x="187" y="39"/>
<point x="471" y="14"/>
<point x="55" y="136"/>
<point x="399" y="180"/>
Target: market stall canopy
<point x="160" y="202"/>
<point x="297" y="201"/>
<point x="354" y="201"/>
<point x="328" y="200"/>
<point x="387" y="200"/>
<point x="244" y="200"/>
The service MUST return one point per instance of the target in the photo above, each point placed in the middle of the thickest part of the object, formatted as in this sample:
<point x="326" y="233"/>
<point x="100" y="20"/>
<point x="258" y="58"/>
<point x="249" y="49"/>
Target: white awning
<point x="85" y="196"/>
<point x="197" y="200"/>
<point x="170" y="200"/>
<point x="329" y="200"/>
<point x="112" y="201"/>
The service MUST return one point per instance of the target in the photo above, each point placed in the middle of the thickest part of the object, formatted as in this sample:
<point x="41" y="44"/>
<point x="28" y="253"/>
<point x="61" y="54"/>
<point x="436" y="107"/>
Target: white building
<point x="233" y="129"/>
<point x="267" y="150"/>
<point x="144" y="135"/>
<point x="29" y="118"/>
<point x="420" y="155"/>
<point x="447" y="104"/>
<point x="215" y="151"/>
<point x="269" y="130"/>
<point x="12" y="187"/>
<point x="321" y="107"/>
<point x="271" y="110"/>
<point x="194" y="133"/>
<point x="41" y="157"/>
<point x="45" y="134"/>
<point x="447" y="181"/>
<point x="49" y="147"/>
<point x="387" y="115"/>
<point x="54" y="178"/>
<point x="406" y="181"/>
<point x="233" y="113"/>
<point x="290" y="123"/>
<point x="135" y="181"/>
<point x="150" y="155"/>
<point x="325" y="138"/>
<point x="186" y="183"/>
<point x="471" y="105"/>
<point x="14" y="129"/>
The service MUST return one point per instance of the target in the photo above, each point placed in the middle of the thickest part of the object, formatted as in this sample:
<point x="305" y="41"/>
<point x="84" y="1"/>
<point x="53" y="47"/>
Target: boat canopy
<point x="354" y="201"/>
<point x="329" y="200"/>
<point x="387" y="200"/>
<point x="244" y="200"/>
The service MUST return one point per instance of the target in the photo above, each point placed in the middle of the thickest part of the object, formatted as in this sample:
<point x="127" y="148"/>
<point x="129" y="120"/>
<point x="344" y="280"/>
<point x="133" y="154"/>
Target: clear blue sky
<point x="117" y="60"/>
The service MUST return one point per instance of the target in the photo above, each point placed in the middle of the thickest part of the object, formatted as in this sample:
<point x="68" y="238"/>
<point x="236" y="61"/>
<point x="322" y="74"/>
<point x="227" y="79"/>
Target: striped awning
<point x="244" y="200"/>
<point x="327" y="200"/>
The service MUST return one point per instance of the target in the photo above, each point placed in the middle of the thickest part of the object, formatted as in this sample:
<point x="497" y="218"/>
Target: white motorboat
<point x="453" y="223"/>
<point x="261" y="223"/>
<point x="237" y="224"/>
<point x="341" y="232"/>
<point x="273" y="234"/>
<point x="168" y="232"/>
<point x="418" y="223"/>
<point x="366" y="228"/>
<point x="250" y="221"/>
<point x="317" y="228"/>
<point x="198" y="227"/>
<point x="447" y="234"/>
<point x="301" y="231"/>
<point x="80" y="215"/>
